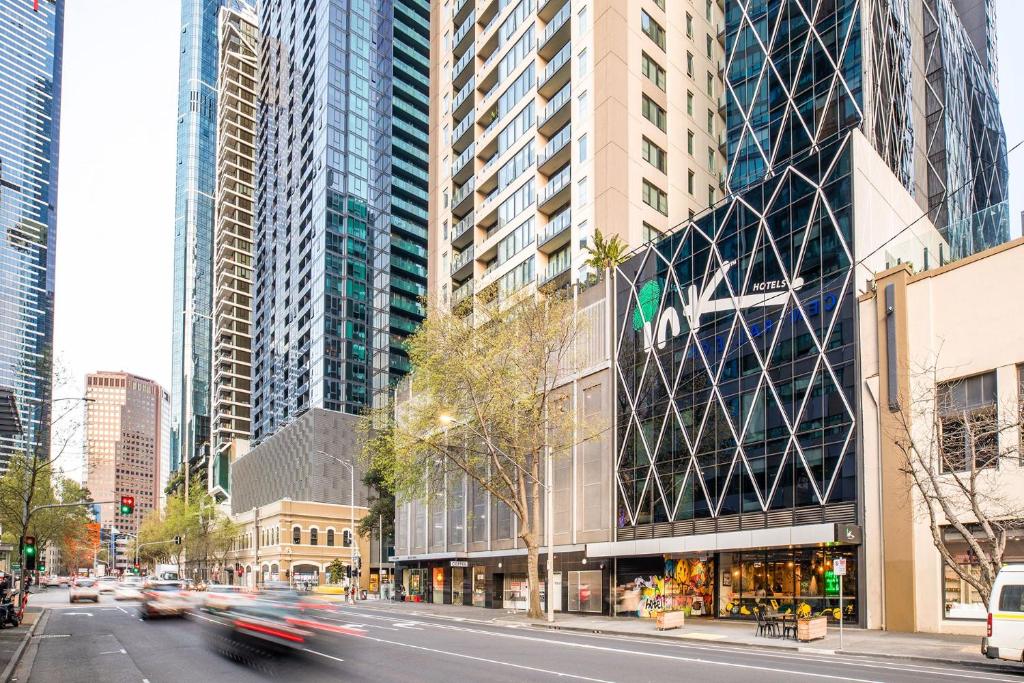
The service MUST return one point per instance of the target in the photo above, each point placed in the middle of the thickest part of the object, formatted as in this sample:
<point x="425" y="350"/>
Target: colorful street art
<point x="686" y="584"/>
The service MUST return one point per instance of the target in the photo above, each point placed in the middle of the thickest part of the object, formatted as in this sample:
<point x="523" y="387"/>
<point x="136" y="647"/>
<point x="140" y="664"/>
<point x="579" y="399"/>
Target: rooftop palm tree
<point x="606" y="253"/>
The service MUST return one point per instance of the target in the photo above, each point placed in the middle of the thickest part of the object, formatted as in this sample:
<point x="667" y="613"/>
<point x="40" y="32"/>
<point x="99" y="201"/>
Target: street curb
<point x="985" y="665"/>
<point x="11" y="665"/>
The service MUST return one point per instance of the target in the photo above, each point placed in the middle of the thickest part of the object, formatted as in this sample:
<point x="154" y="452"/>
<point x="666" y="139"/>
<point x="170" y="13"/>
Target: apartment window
<point x="689" y="64"/>
<point x="655" y="114"/>
<point x="314" y="536"/>
<point x="653" y="29"/>
<point x="654" y="155"/>
<point x="651" y="233"/>
<point x="582" y="62"/>
<point x="583" y="147"/>
<point x="583" y="101"/>
<point x="330" y="538"/>
<point x="655" y="197"/>
<point x="689" y="103"/>
<point x="660" y="3"/>
<point x="689" y="182"/>
<point x="711" y="122"/>
<point x="689" y="25"/>
<point x="968" y="424"/>
<point x="582" y="18"/>
<point x="689" y="142"/>
<point x="711" y="84"/>
<point x="707" y="10"/>
<point x="446" y="230"/>
<point x="296" y="535"/>
<point x="581" y="191"/>
<point x="711" y="159"/>
<point x="711" y="195"/>
<point x="652" y="70"/>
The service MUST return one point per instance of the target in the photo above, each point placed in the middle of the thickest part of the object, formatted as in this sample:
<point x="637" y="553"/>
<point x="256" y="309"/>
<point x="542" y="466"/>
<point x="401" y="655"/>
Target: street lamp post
<point x="354" y="548"/>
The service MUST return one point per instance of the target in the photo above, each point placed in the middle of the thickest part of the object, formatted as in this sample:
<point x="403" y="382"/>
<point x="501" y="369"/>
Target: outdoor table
<point x="783" y="618"/>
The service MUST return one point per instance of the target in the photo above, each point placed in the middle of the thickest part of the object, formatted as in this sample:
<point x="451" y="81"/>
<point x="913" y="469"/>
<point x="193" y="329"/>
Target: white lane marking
<point x="867" y="663"/>
<point x="121" y="651"/>
<point x="108" y="609"/>
<point x="79" y="614"/>
<point x="410" y="625"/>
<point x="492" y="661"/>
<point x="344" y="623"/>
<point x="314" y="652"/>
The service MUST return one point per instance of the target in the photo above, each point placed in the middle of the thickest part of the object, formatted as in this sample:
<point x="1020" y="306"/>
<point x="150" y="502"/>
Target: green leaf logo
<point x="647" y="304"/>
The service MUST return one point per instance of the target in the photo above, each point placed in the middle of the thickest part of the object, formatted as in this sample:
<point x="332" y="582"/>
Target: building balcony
<point x="463" y="133"/>
<point x="461" y="10"/>
<point x="556" y="233"/>
<point x="463" y="167"/>
<point x="462" y="198"/>
<point x="556" y="73"/>
<point x="462" y="266"/>
<point x="462" y="232"/>
<point x="556" y="112"/>
<point x="462" y="34"/>
<point x="555" y="194"/>
<point x="487" y="74"/>
<point x="549" y="8"/>
<point x="556" y="33"/>
<point x="464" y="101"/>
<point x="556" y="274"/>
<point x="463" y="293"/>
<point x="460" y="73"/>
<point x="556" y="153"/>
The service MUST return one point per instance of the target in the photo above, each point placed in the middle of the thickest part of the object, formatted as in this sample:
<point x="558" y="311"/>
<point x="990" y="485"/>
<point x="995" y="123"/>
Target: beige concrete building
<point x="938" y="348"/>
<point x="295" y="541"/>
<point x="551" y="119"/>
<point x="125" y="442"/>
<point x="233" y="246"/>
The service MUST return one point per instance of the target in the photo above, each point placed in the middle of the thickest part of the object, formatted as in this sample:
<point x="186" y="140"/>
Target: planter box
<point x="667" y="620"/>
<point x="814" y="628"/>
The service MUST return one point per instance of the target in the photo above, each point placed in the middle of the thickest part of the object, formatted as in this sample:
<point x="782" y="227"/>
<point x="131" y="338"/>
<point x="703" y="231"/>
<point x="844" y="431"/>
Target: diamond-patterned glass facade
<point x="735" y="355"/>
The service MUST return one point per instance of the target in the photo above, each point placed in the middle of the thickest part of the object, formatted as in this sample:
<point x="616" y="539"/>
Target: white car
<point x="1005" y="638"/>
<point x="129" y="589"/>
<point x="164" y="599"/>
<point x="106" y="584"/>
<point x="84" y="589"/>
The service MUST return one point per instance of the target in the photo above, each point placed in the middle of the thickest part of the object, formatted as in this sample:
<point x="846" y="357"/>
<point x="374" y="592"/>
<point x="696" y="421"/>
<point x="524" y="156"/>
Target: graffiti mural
<point x="683" y="584"/>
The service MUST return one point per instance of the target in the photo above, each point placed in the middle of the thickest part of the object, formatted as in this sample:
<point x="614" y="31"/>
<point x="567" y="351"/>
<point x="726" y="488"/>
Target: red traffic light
<point x="127" y="505"/>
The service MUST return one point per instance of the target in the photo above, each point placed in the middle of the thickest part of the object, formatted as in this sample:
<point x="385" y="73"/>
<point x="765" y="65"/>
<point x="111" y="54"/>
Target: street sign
<point x="459" y="563"/>
<point x="15" y="567"/>
<point x="839" y="566"/>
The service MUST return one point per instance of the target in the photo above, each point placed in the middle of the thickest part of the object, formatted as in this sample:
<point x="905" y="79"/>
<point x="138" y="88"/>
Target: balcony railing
<point x="556" y="225"/>
<point x="556" y="23"/>
<point x="460" y="294"/>
<point x="462" y="226"/>
<point x="556" y="63"/>
<point x="556" y="103"/>
<point x="462" y="126"/>
<point x="464" y="158"/>
<point x="461" y="96"/>
<point x="554" y="185"/>
<point x="463" y="61"/>
<point x="463" y="258"/>
<point x="556" y="266"/>
<point x="466" y="26"/>
<point x="555" y="144"/>
<point x="463" y="192"/>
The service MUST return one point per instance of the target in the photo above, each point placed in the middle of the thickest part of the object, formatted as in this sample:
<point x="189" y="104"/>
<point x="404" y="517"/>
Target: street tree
<point x="485" y="402"/>
<point x="606" y="253"/>
<point x="953" y="447"/>
<point x="335" y="570"/>
<point x="380" y="517"/>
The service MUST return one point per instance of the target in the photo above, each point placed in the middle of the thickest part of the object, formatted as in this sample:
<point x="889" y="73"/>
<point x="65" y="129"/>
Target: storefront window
<point x="438" y="585"/>
<point x="646" y="586"/>
<point x="961" y="600"/>
<point x="586" y="591"/>
<point x="517" y="592"/>
<point x="457" y="585"/>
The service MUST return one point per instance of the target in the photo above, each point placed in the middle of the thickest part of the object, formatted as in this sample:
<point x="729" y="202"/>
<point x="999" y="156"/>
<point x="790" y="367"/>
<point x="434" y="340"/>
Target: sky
<point x="115" y="213"/>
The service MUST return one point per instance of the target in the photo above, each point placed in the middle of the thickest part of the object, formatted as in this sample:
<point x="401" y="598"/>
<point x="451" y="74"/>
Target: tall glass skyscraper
<point x="195" y="180"/>
<point x="31" y="54"/>
<point x="340" y="236"/>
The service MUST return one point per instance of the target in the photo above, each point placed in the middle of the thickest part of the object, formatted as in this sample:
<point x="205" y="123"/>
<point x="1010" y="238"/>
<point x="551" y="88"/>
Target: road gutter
<point x="44" y="616"/>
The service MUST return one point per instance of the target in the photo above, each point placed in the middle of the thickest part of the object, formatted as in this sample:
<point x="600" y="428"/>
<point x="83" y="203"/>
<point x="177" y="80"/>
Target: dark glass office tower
<point x="801" y="74"/>
<point x="31" y="54"/>
<point x="195" y="179"/>
<point x="340" y="203"/>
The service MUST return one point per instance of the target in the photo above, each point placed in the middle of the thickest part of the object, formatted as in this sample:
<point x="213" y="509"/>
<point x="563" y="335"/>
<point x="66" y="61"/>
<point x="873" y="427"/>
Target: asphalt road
<point x="107" y="642"/>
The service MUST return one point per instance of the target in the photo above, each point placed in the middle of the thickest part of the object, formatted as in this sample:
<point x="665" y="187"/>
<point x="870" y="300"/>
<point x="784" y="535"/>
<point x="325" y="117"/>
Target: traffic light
<point x="28" y="548"/>
<point x="177" y="540"/>
<point x="127" y="505"/>
<point x="42" y="568"/>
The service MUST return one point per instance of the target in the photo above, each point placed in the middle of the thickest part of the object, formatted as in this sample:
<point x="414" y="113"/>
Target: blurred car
<point x="84" y="589"/>
<point x="106" y="584"/>
<point x="129" y="589"/>
<point x="223" y="597"/>
<point x="257" y="630"/>
<point x="47" y="581"/>
<point x="163" y="599"/>
<point x="64" y="581"/>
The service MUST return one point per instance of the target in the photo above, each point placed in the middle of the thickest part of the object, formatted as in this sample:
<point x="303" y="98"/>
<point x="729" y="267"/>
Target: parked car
<point x="84" y="589"/>
<point x="1005" y="633"/>
<point x="163" y="599"/>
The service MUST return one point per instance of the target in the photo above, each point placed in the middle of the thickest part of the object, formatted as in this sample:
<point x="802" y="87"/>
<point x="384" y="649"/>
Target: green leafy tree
<point x="335" y="570"/>
<point x="380" y="518"/>
<point x="486" y="404"/>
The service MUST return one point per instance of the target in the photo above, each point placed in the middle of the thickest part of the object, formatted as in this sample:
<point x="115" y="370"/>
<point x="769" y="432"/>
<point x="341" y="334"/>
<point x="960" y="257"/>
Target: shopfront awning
<point x="807" y="534"/>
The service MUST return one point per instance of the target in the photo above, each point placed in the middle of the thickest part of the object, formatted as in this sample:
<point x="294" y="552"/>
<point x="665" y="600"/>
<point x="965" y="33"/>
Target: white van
<point x="1005" y="638"/>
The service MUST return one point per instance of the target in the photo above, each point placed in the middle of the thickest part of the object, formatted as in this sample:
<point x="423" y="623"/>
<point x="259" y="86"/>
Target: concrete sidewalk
<point x="13" y="641"/>
<point x="856" y="641"/>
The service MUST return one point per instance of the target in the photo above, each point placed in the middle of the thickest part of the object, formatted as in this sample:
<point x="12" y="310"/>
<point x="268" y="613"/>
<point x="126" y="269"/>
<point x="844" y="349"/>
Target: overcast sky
<point x="115" y="230"/>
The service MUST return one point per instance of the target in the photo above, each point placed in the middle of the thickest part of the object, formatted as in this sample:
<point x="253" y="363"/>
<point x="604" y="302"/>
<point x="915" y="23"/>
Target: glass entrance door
<point x="457" y="579"/>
